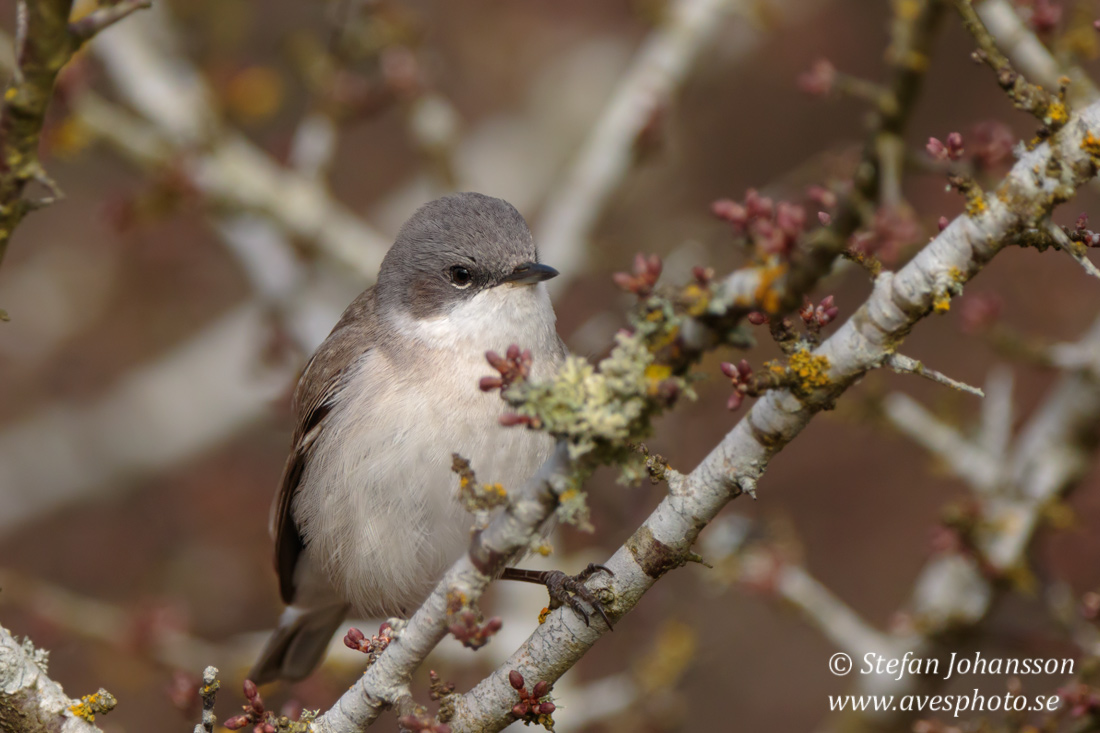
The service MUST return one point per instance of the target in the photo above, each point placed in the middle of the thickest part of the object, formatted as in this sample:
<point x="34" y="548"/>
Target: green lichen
<point x="603" y="408"/>
<point x="602" y="411"/>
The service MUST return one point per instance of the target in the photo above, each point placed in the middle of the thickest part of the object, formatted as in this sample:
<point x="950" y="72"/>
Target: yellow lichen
<point x="766" y="297"/>
<point x="975" y="204"/>
<point x="942" y="303"/>
<point x="1091" y="145"/>
<point x="956" y="274"/>
<point x="696" y="298"/>
<point x="100" y="702"/>
<point x="812" y="371"/>
<point x="655" y="374"/>
<point x="1057" y="115"/>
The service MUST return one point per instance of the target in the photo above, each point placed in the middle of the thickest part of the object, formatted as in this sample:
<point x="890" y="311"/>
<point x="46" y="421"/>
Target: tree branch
<point x="30" y="702"/>
<point x="46" y="42"/>
<point x="864" y="342"/>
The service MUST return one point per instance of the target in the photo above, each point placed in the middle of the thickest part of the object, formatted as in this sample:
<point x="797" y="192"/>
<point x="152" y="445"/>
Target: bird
<point x="366" y="518"/>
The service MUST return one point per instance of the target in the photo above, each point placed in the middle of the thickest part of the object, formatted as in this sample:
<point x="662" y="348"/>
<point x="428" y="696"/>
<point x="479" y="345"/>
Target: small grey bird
<point x="367" y="518"/>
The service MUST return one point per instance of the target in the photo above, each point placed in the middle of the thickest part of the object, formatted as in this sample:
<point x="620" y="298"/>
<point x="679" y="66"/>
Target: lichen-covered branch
<point x="45" y="43"/>
<point x="1041" y="178"/>
<point x="778" y="288"/>
<point x="1040" y="102"/>
<point x="30" y="702"/>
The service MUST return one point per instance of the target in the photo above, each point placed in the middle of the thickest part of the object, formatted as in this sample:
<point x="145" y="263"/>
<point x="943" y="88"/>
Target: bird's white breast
<point x="377" y="501"/>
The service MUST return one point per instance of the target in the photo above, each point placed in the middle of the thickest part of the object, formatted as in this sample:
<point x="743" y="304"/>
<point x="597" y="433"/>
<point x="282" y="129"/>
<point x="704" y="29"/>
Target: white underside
<point x="378" y="514"/>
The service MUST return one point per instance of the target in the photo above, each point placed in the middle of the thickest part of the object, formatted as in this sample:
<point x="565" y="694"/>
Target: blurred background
<point x="233" y="172"/>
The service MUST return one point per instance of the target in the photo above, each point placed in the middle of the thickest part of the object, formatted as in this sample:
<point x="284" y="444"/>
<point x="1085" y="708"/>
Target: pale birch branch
<point x="862" y="343"/>
<point x="30" y="702"/>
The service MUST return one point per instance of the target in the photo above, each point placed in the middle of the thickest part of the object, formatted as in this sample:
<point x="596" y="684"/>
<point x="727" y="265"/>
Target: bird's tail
<point x="297" y="644"/>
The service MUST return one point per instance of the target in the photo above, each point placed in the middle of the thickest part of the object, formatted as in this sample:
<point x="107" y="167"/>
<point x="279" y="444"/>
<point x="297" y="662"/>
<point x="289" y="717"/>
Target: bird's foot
<point x="566" y="590"/>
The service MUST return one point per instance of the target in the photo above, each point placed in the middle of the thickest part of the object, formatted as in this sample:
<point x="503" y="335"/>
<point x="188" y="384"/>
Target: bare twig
<point x="1076" y="250"/>
<point x="208" y="691"/>
<point x="1047" y="107"/>
<point x="906" y="365"/>
<point x="101" y="18"/>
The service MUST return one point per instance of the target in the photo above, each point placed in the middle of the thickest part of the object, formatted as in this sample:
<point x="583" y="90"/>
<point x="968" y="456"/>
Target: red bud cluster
<point x="529" y="702"/>
<point x="472" y="634"/>
<point x="511" y="419"/>
<point x="951" y="150"/>
<point x="822" y="315"/>
<point x="647" y="270"/>
<point x="254" y="714"/>
<point x="373" y="646"/>
<point x="773" y="228"/>
<point x="703" y="275"/>
<point x="1081" y="232"/>
<point x="514" y="366"/>
<point x="739" y="375"/>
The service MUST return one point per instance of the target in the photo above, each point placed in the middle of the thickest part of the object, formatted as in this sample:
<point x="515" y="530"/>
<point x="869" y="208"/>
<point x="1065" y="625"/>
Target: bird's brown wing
<point x="314" y="399"/>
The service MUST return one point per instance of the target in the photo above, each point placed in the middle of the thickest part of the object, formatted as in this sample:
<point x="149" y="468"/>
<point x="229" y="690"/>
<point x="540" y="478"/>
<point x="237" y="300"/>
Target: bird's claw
<point x="571" y="590"/>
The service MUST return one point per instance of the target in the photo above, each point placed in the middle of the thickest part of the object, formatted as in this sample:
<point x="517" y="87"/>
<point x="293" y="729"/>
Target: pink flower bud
<point x="730" y="211"/>
<point x="819" y="79"/>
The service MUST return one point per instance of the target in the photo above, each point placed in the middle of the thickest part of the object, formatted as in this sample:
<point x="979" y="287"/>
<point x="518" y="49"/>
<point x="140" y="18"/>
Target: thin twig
<point x="906" y="365"/>
<point x="104" y="17"/>
<point x="208" y="691"/>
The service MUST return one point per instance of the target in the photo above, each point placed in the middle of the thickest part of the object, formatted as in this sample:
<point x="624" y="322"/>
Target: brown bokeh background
<point x="185" y="547"/>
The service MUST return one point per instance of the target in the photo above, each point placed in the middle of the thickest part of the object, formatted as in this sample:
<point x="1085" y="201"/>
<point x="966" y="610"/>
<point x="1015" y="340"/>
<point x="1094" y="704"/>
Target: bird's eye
<point x="460" y="276"/>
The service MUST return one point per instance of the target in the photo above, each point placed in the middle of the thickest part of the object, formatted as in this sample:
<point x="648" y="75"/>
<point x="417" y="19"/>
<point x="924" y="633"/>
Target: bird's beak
<point x="530" y="273"/>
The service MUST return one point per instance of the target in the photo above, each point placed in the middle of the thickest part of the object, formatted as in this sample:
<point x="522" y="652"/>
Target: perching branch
<point x="898" y="302"/>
